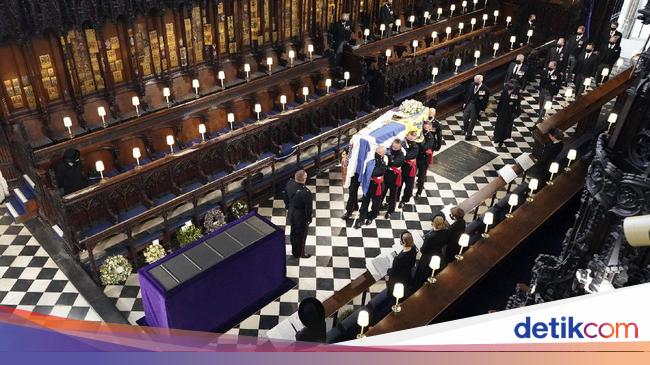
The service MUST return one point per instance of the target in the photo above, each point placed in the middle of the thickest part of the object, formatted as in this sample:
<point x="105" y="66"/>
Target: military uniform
<point x="431" y="142"/>
<point x="393" y="179"/>
<point x="409" y="169"/>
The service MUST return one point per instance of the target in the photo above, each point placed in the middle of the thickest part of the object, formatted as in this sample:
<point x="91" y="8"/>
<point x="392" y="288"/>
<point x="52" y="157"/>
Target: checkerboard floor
<point x="339" y="252"/>
<point x="31" y="281"/>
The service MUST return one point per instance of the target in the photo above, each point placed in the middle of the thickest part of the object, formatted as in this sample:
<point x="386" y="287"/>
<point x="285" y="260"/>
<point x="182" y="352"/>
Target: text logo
<point x="568" y="327"/>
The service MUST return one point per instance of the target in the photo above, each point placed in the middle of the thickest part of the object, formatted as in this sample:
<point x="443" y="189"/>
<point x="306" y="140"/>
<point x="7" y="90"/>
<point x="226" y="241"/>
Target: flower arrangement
<point x="411" y="107"/>
<point x="154" y="252"/>
<point x="214" y="219"/>
<point x="115" y="270"/>
<point x="188" y="234"/>
<point x="239" y="208"/>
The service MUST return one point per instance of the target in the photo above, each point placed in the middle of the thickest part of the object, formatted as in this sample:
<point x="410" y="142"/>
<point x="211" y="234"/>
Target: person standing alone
<point x="300" y="215"/>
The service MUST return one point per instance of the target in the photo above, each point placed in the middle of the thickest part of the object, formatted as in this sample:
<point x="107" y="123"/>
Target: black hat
<point x="311" y="312"/>
<point x="71" y="155"/>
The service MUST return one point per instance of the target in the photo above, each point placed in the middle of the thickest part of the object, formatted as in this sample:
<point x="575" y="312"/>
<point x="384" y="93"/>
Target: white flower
<point x="411" y="107"/>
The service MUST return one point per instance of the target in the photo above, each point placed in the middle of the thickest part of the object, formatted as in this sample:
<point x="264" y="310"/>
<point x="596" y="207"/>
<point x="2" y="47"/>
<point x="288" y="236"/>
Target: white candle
<point x="485" y="18"/>
<point x="292" y="55"/>
<point x="247" y="70"/>
<point x="202" y="131"/>
<point x="513" y="200"/>
<point x="434" y="72"/>
<point x="434" y="264"/>
<point x="611" y="119"/>
<point x="269" y="62"/>
<point x="99" y="166"/>
<point x="463" y="242"/>
<point x="366" y="33"/>
<point x="363" y="319"/>
<point x="137" y="155"/>
<point x="495" y="47"/>
<point x="346" y="77"/>
<point x="412" y="20"/>
<point x="508" y="21"/>
<point x="488" y="219"/>
<point x="571" y="156"/>
<point x="101" y="111"/>
<point x="67" y="122"/>
<point x="426" y="16"/>
<point x="283" y="101"/>
<point x="382" y="28"/>
<point x="452" y="8"/>
<point x="457" y="63"/>
<point x="439" y="13"/>
<point x="310" y="49"/>
<point x="136" y="102"/>
<point x="231" y="120"/>
<point x="513" y="39"/>
<point x="477" y="55"/>
<point x="472" y="22"/>
<point x="604" y="74"/>
<point x="170" y="143"/>
<point x="167" y="93"/>
<point x="461" y="25"/>
<point x="222" y="76"/>
<point x="195" y="85"/>
<point x="553" y="169"/>
<point x="532" y="186"/>
<point x="464" y="5"/>
<point x="415" y="45"/>
<point x="398" y="23"/>
<point x="496" y="16"/>
<point x="328" y="84"/>
<point x="258" y="109"/>
<point x="529" y="34"/>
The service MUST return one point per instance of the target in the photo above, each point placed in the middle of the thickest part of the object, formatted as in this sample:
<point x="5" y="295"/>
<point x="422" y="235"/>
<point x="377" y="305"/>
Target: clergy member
<point x="393" y="176"/>
<point x="409" y="168"/>
<point x="290" y="191"/>
<point x="432" y="140"/>
<point x="476" y="100"/>
<point x="372" y="186"/>
<point x="301" y="214"/>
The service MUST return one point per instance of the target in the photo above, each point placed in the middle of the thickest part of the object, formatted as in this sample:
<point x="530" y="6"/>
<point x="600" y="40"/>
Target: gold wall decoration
<point x="197" y="34"/>
<point x="221" y="27"/>
<point x="48" y="77"/>
<point x="142" y="48"/>
<point x="267" y="21"/>
<point x="171" y="45"/>
<point x="84" y="66"/>
<point x="232" y="41"/>
<point x="155" y="51"/>
<point x="13" y="92"/>
<point x="113" y="57"/>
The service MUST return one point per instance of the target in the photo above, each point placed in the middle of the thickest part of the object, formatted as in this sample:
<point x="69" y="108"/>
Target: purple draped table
<point x="219" y="280"/>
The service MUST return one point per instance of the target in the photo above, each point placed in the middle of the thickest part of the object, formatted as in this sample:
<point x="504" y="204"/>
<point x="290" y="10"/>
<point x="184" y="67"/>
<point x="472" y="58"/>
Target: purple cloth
<point x="220" y="296"/>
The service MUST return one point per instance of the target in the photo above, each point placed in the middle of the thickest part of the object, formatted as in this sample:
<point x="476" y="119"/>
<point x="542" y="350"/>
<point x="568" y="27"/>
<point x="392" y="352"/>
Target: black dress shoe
<point x="384" y="206"/>
<point x="468" y="137"/>
<point x="401" y="205"/>
<point x="305" y="256"/>
<point x="368" y="222"/>
<point x="418" y="193"/>
<point x="387" y="216"/>
<point x="346" y="216"/>
<point x="358" y="224"/>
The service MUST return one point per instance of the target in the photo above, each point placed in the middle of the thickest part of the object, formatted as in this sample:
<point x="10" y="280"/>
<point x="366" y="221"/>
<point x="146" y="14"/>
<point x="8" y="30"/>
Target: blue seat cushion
<point x="307" y="136"/>
<point x="164" y="199"/>
<point x="242" y="164"/>
<point x="326" y="128"/>
<point x="145" y="239"/>
<point x="287" y="148"/>
<point x="218" y="175"/>
<point x="193" y="186"/>
<point x="266" y="155"/>
<point x="136" y="210"/>
<point x="98" y="227"/>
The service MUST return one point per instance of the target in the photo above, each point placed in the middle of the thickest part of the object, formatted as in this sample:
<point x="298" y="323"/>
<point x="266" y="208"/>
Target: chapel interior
<point x="320" y="170"/>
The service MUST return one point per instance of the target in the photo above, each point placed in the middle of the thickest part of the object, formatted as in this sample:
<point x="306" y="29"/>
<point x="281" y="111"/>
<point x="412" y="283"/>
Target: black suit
<point x="433" y="245"/>
<point x="607" y="57"/>
<point x="386" y="16"/>
<point x="301" y="214"/>
<point x="476" y="100"/>
<point x="353" y="198"/>
<point x="517" y="74"/>
<point x="615" y="33"/>
<point x="374" y="192"/>
<point x="575" y="46"/>
<point x="549" y="86"/>
<point x="401" y="270"/>
<point x="342" y="33"/>
<point x="586" y="65"/>
<point x="559" y="55"/>
<point x="289" y="191"/>
<point x="452" y="248"/>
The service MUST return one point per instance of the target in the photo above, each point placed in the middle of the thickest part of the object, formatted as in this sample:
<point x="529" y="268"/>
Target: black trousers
<point x="423" y="166"/>
<point x="391" y="190"/>
<point x="544" y="96"/>
<point x="353" y="199"/>
<point x="470" y="117"/>
<point x="298" y="235"/>
<point x="370" y="196"/>
<point x="407" y="182"/>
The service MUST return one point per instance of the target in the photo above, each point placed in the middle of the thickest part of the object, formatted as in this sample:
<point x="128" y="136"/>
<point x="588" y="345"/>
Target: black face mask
<point x="519" y="62"/>
<point x="613" y="28"/>
<point x="579" y="33"/>
<point x="589" y="50"/>
<point x="378" y="156"/>
<point x="476" y="84"/>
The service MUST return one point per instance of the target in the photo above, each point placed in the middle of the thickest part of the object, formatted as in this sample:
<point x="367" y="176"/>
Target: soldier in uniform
<point x="373" y="183"/>
<point x="393" y="176"/>
<point x="431" y="141"/>
<point x="409" y="168"/>
<point x="549" y="86"/>
<point x="353" y="199"/>
<point x="301" y="214"/>
<point x="476" y="101"/>
<point x="516" y="72"/>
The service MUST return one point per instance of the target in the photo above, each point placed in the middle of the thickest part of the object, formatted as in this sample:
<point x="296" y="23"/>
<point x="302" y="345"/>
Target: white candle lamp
<point x="363" y="320"/>
<point x="604" y="73"/>
<point x="137" y="154"/>
<point x="283" y="101"/>
<point x="382" y="29"/>
<point x="415" y="45"/>
<point x="101" y="111"/>
<point x="389" y="52"/>
<point x="247" y="70"/>
<point x="529" y="34"/>
<point x="310" y="49"/>
<point x="427" y="16"/>
<point x="231" y="120"/>
<point x="195" y="85"/>
<point x="571" y="156"/>
<point x="496" y="16"/>
<point x="513" y="200"/>
<point x="269" y="63"/>
<point x="434" y="37"/>
<point x="485" y="18"/>
<point x="439" y="12"/>
<point x="448" y="31"/>
<point x="167" y="93"/>
<point x="611" y="119"/>
<point x="568" y="93"/>
<point x="452" y="8"/>
<point x="170" y="143"/>
<point x="67" y="122"/>
<point x="434" y="73"/>
<point x="398" y="293"/>
<point x="619" y="63"/>
<point x="587" y="83"/>
<point x="513" y="39"/>
<point x="463" y="242"/>
<point x="495" y="47"/>
<point x="202" y="131"/>
<point x="366" y="33"/>
<point x="412" y="20"/>
<point x="473" y="23"/>
<point x="135" y="101"/>
<point x="461" y="26"/>
<point x="222" y="76"/>
<point x="477" y="55"/>
<point x="434" y="265"/>
<point x="553" y="169"/>
<point x="532" y="186"/>
<point x="548" y="105"/>
<point x="258" y="109"/>
<point x="398" y="23"/>
<point x="475" y="2"/>
<point x="328" y="84"/>
<point x="508" y="21"/>
<point x="457" y="63"/>
<point x="292" y="55"/>
<point x="488" y="220"/>
<point x="464" y="5"/>
<point x="99" y="166"/>
<point x="305" y="92"/>
<point x="346" y="77"/>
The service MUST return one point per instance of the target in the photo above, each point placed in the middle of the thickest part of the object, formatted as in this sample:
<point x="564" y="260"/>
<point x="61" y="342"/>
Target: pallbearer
<point x="372" y="186"/>
<point x="301" y="214"/>
<point x="353" y="198"/>
<point x="431" y="141"/>
<point x="393" y="176"/>
<point x="409" y="168"/>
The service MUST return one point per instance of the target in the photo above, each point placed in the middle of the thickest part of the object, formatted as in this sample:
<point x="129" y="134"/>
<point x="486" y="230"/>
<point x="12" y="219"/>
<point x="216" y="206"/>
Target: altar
<point x="382" y="131"/>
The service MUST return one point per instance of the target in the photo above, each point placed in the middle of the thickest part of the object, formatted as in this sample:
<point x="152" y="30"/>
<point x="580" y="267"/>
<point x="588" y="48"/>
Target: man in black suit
<point x="516" y="73"/>
<point x="548" y="154"/>
<point x="575" y="46"/>
<point x="289" y="191"/>
<point x="386" y="15"/>
<point x="342" y="31"/>
<point x="476" y="100"/>
<point x="373" y="184"/>
<point x="608" y="57"/>
<point x="301" y="214"/>
<point x="549" y="86"/>
<point x="558" y="54"/>
<point x="522" y="34"/>
<point x="586" y="65"/>
<point x="613" y="32"/>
